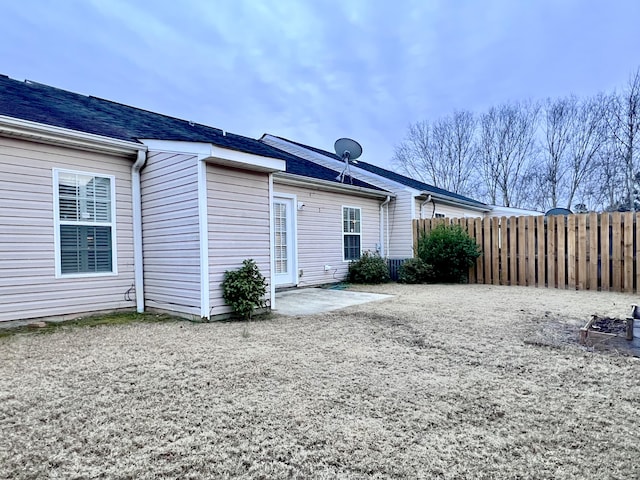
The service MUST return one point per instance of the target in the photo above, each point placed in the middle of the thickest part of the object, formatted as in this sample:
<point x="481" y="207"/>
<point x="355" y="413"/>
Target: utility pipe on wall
<point x="429" y="199"/>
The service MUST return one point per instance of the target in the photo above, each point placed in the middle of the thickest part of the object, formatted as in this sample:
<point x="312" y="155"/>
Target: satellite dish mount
<point x="348" y="150"/>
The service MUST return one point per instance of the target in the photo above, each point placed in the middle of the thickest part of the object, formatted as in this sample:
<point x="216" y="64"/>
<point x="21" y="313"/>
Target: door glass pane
<point x="280" y="227"/>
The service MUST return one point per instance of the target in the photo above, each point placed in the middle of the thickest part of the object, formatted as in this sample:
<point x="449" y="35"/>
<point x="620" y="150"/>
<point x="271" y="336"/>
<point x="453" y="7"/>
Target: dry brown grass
<point x="440" y="382"/>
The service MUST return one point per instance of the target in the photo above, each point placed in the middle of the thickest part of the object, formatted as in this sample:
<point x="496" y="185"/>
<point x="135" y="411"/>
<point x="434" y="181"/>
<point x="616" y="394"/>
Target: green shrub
<point x="450" y="251"/>
<point x="244" y="289"/>
<point x="369" y="268"/>
<point x="415" y="270"/>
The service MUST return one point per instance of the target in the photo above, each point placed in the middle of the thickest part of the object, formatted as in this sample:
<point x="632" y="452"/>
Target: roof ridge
<point x="140" y="109"/>
<point x="113" y="102"/>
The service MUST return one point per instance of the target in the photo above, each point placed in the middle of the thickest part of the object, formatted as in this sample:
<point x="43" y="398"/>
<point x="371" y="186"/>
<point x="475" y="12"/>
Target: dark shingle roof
<point x="396" y="177"/>
<point x="52" y="106"/>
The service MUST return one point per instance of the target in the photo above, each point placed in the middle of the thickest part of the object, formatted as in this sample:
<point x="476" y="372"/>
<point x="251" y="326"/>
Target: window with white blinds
<point x="85" y="223"/>
<point x="351" y="233"/>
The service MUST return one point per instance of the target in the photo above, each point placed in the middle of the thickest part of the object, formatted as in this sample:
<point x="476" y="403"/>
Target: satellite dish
<point x="345" y="147"/>
<point x="558" y="211"/>
<point x="348" y="150"/>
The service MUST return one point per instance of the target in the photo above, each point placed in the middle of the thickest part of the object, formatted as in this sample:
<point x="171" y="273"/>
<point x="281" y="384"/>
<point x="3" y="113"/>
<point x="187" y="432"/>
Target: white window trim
<point x="56" y="225"/>
<point x="349" y="233"/>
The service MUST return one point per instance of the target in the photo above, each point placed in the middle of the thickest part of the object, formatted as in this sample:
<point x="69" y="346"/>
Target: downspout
<point x="383" y="238"/>
<point x="138" y="264"/>
<point x="429" y="199"/>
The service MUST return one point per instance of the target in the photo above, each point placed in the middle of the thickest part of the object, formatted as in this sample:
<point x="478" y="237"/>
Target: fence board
<point x="531" y="252"/>
<point x="487" y="249"/>
<point x="581" y="258"/>
<point x="593" y="252"/>
<point x="522" y="252"/>
<point x="616" y="255"/>
<point x="480" y="260"/>
<point x="605" y="252"/>
<point x="469" y="227"/>
<point x="495" y="250"/>
<point x="628" y="252"/>
<point x="541" y="279"/>
<point x="504" y="252"/>
<point x="552" y="282"/>
<point x="513" y="252"/>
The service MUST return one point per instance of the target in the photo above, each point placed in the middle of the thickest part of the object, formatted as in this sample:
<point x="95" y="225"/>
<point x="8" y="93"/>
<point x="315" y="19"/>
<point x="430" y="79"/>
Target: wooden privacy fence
<point x="583" y="252"/>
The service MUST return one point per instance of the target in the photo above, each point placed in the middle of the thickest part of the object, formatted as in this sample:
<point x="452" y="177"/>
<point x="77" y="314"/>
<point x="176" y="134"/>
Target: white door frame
<point x="292" y="239"/>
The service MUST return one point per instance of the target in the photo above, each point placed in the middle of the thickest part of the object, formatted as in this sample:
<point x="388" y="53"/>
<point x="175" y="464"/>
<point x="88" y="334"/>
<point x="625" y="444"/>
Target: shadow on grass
<point x="89" y="321"/>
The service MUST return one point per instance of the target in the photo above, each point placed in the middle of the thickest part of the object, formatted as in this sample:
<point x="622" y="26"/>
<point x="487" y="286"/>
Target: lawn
<point x="450" y="382"/>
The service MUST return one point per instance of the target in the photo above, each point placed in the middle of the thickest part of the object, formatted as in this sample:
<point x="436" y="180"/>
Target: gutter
<point x="384" y="238"/>
<point x="329" y="186"/>
<point x="456" y="201"/>
<point x="39" y="132"/>
<point x="136" y="195"/>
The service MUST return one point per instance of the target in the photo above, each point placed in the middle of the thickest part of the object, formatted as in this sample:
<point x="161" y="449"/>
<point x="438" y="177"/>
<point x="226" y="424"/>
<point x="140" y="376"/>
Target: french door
<point x="284" y="240"/>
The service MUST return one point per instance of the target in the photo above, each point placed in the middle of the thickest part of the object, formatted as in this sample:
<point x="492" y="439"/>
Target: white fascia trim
<point x="203" y="220"/>
<point x="15" y="127"/>
<point x="219" y="155"/>
<point x="337" y="165"/>
<point x="326" y="185"/>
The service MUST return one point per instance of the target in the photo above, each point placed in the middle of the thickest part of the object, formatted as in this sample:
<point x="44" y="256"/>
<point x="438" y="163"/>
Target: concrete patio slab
<point x="309" y="301"/>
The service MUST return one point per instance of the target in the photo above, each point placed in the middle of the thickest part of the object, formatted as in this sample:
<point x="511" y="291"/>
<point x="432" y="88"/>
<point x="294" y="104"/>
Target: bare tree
<point x="557" y="124"/>
<point x="416" y="155"/>
<point x="507" y="143"/>
<point x="624" y="127"/>
<point x="586" y="144"/>
<point x="442" y="153"/>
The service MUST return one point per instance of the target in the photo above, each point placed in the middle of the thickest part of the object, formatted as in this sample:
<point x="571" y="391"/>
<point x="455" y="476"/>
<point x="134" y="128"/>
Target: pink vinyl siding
<point x="28" y="285"/>
<point x="319" y="231"/>
<point x="238" y="220"/>
<point x="169" y="186"/>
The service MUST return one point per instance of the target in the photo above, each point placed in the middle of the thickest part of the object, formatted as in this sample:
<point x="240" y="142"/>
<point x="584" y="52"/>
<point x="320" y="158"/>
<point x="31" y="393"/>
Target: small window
<point x="439" y="215"/>
<point x="351" y="233"/>
<point x="85" y="223"/>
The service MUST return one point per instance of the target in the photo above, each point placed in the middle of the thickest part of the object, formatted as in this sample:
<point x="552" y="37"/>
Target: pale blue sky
<point x="314" y="71"/>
